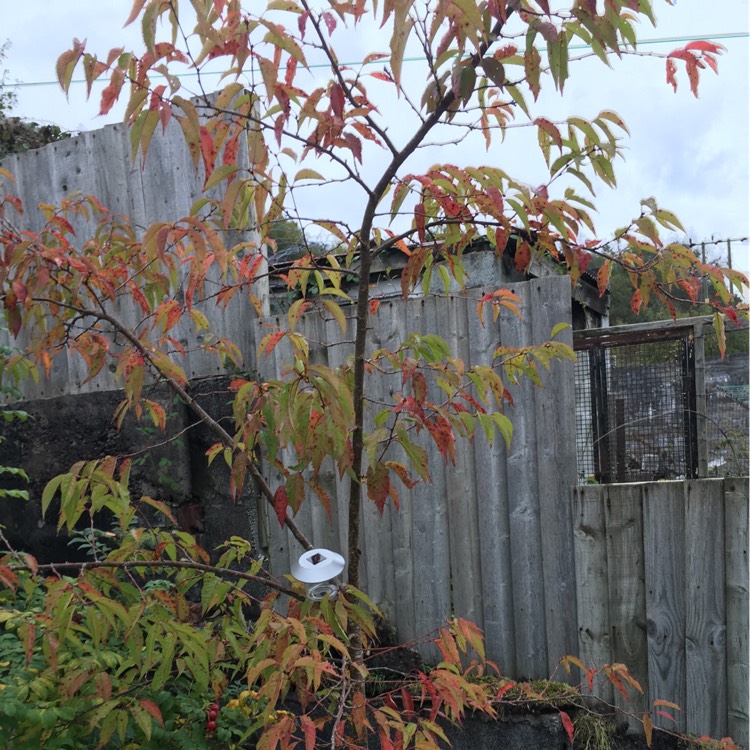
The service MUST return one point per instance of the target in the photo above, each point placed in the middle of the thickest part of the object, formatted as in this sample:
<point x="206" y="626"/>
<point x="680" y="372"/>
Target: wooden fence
<point x="654" y="575"/>
<point x="491" y="538"/>
<point x="163" y="188"/>
<point x="662" y="571"/>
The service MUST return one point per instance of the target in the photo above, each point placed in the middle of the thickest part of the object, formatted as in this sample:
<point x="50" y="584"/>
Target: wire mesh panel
<point x="655" y="401"/>
<point x="727" y="427"/>
<point x="631" y="417"/>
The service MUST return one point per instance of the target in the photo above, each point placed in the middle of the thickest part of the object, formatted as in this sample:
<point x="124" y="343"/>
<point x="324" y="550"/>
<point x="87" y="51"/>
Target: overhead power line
<point x="641" y="43"/>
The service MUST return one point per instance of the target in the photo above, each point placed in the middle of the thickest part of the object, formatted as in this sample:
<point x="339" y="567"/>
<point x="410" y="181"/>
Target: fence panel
<point x="470" y="543"/>
<point x="674" y="563"/>
<point x="164" y="188"/>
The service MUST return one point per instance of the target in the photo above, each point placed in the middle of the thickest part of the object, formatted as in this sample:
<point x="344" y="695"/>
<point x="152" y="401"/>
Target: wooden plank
<point x="623" y="512"/>
<point x="460" y="485"/>
<point x="430" y="533"/>
<point x="523" y="500"/>
<point x="737" y="608"/>
<point x="554" y="412"/>
<point x="376" y="538"/>
<point x="493" y="523"/>
<point x="664" y="541"/>
<point x="398" y="579"/>
<point x="705" y="609"/>
<point x="592" y="595"/>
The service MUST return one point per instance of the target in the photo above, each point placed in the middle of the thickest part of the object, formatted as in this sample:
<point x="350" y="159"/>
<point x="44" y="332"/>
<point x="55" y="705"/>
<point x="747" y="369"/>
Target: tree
<point x="18" y="135"/>
<point x="484" y="66"/>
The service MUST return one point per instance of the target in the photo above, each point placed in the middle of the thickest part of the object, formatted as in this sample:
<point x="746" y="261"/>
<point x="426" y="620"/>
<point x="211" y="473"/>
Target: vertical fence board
<point x="376" y="537"/>
<point x="705" y="603"/>
<point x="389" y="331"/>
<point x="461" y="491"/>
<point x="523" y="499"/>
<point x="627" y="595"/>
<point x="591" y="574"/>
<point x="430" y="533"/>
<point x="494" y="526"/>
<point x="556" y="473"/>
<point x="664" y="536"/>
<point x="738" y="627"/>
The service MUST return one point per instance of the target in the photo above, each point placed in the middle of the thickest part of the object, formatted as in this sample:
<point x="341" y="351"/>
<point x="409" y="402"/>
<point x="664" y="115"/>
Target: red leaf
<point x="704" y="46"/>
<point x="337" y="101"/>
<point x="419" y="220"/>
<point x="355" y="145"/>
<point x="382" y="76"/>
<point x="442" y="433"/>
<point x="308" y="727"/>
<point x="374" y="305"/>
<point x="378" y="485"/>
<point x="544" y="5"/>
<point x="14" y="315"/>
<point x="504" y="689"/>
<point x="671" y="70"/>
<point x="330" y="21"/>
<point x="523" y="256"/>
<point x="280" y="503"/>
<point x="501" y="240"/>
<point x="153" y="709"/>
<point x="302" y="22"/>
<point x="208" y="150"/>
<point x="568" y="725"/>
<point x="497" y="199"/>
<point x="8" y="577"/>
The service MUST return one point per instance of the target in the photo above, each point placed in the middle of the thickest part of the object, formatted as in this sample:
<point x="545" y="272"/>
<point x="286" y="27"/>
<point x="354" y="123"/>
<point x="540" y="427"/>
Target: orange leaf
<point x="636" y="301"/>
<point x="602" y="277"/>
<point x="153" y="709"/>
<point x="269" y="342"/>
<point x="648" y="729"/>
<point x="208" y="150"/>
<point x="8" y="577"/>
<point x="358" y="713"/>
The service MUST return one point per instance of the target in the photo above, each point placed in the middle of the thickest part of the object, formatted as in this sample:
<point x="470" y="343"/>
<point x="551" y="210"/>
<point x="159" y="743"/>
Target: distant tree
<point x="621" y="311"/>
<point x="16" y="134"/>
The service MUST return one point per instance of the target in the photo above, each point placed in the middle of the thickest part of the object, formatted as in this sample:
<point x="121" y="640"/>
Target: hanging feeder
<point x="318" y="570"/>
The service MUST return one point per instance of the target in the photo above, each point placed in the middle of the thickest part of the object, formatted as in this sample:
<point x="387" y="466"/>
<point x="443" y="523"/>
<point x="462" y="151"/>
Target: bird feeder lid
<point x="318" y="566"/>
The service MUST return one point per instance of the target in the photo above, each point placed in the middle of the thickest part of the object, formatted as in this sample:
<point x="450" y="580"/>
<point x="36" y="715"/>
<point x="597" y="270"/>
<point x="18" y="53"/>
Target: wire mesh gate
<point x="642" y="411"/>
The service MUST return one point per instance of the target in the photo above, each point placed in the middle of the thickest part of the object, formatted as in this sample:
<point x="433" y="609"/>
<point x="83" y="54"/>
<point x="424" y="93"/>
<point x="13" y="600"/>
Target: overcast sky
<point x="692" y="154"/>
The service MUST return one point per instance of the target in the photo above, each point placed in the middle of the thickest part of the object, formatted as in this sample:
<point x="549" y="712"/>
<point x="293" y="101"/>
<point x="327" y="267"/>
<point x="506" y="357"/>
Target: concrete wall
<point x="66" y="429"/>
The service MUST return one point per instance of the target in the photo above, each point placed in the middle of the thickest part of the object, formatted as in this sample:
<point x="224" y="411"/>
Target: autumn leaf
<point x="602" y="277"/>
<point x="378" y="485"/>
<point x="280" y="504"/>
<point x="567" y="726"/>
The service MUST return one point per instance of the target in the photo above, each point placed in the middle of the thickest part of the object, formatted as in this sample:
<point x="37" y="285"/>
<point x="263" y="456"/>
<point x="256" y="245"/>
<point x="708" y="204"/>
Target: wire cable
<point x="642" y="42"/>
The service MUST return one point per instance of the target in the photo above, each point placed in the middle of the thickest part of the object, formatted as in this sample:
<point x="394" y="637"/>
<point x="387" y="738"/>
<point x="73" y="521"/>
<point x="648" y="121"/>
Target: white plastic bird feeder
<point x="318" y="569"/>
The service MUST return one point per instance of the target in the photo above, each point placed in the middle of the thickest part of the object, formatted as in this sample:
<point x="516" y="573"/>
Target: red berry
<point x="210" y="726"/>
<point x="213" y="707"/>
<point x="212" y="714"/>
